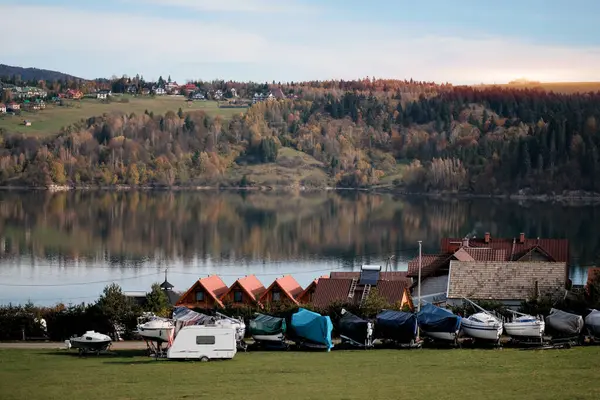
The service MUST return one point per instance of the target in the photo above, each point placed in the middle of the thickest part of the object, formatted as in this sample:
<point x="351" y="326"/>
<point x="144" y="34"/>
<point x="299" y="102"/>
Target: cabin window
<point x="207" y="340"/>
<point x="276" y="295"/>
<point x="237" y="296"/>
<point x="200" y="296"/>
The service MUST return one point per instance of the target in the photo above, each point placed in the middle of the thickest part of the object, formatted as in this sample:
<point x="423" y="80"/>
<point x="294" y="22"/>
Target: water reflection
<point x="94" y="235"/>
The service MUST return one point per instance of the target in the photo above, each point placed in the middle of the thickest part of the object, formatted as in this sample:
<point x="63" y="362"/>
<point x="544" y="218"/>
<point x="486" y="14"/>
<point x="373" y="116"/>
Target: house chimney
<point x="465" y="242"/>
<point x="521" y="238"/>
<point x="486" y="238"/>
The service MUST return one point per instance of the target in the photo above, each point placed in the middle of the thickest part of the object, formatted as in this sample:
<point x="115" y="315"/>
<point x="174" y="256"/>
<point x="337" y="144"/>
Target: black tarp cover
<point x="564" y="323"/>
<point x="353" y="327"/>
<point x="592" y="322"/>
<point x="396" y="325"/>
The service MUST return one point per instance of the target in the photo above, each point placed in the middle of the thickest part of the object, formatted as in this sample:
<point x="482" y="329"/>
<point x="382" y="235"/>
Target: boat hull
<point x="481" y="331"/>
<point x="525" y="329"/>
<point x="91" y="346"/>
<point x="446" y="336"/>
<point x="277" y="337"/>
<point x="156" y="334"/>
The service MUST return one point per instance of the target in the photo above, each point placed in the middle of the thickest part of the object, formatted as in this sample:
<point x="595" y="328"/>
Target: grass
<point x="53" y="118"/>
<point x="377" y="374"/>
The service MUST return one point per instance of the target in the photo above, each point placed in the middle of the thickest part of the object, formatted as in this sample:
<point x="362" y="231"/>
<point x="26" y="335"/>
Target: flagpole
<point x="419" y="289"/>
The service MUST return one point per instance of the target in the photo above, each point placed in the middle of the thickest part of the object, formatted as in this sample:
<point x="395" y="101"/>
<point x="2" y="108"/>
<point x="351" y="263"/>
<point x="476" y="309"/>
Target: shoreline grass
<point x="377" y="374"/>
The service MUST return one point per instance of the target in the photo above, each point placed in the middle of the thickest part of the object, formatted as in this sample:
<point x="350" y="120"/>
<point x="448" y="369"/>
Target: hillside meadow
<point x="52" y="119"/>
<point x="376" y="374"/>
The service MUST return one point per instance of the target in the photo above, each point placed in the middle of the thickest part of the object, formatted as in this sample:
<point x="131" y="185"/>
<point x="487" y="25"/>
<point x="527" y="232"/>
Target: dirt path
<point x="130" y="345"/>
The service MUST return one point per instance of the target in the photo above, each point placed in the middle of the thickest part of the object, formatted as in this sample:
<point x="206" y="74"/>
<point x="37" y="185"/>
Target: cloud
<point x="92" y="44"/>
<point x="243" y="6"/>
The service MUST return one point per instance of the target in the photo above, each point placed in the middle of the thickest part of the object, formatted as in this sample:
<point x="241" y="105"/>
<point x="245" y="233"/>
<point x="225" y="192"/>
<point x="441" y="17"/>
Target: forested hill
<point x="414" y="136"/>
<point x="34" y="74"/>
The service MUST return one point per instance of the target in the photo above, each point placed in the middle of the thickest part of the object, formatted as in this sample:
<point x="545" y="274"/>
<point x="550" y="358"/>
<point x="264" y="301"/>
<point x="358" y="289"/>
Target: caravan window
<point x="237" y="296"/>
<point x="205" y="340"/>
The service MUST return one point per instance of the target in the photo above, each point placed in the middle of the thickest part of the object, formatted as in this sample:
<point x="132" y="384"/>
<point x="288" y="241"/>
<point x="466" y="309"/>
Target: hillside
<point x="557" y="87"/>
<point x="35" y="74"/>
<point x="410" y="136"/>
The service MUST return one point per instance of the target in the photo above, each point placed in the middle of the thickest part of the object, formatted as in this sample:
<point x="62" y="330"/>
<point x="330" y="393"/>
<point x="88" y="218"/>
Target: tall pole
<point x="419" y="281"/>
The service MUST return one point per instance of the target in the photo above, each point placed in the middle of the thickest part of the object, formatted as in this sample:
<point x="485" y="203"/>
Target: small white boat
<point x="90" y="342"/>
<point x="525" y="326"/>
<point x="157" y="330"/>
<point x="483" y="326"/>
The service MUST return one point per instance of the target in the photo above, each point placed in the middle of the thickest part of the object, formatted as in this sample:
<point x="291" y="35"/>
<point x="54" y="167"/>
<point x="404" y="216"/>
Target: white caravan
<point x="204" y="342"/>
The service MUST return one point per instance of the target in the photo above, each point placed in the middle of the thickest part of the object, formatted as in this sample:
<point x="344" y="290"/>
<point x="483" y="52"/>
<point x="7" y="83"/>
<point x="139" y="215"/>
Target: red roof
<point x="556" y="249"/>
<point x="311" y="286"/>
<point x="213" y="285"/>
<point x="251" y="285"/>
<point x="386" y="276"/>
<point x="331" y="291"/>
<point x="430" y="264"/>
<point x="288" y="285"/>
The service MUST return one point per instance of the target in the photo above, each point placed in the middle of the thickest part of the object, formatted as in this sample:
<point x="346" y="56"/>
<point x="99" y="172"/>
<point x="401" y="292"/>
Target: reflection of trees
<point x="129" y="227"/>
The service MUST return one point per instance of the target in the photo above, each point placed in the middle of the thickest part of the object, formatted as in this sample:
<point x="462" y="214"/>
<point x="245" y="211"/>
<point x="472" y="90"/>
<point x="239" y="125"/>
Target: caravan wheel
<point x="204" y="359"/>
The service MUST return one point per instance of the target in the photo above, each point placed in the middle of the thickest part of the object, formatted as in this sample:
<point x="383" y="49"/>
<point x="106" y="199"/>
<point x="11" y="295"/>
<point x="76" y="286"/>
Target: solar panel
<point x="369" y="277"/>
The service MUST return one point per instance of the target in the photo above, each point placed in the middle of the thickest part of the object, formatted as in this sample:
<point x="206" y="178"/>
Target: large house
<point x="435" y="267"/>
<point x="206" y="294"/>
<point x="355" y="287"/>
<point x="159" y="91"/>
<point x="103" y="94"/>
<point x="283" y="289"/>
<point x="506" y="282"/>
<point x="245" y="291"/>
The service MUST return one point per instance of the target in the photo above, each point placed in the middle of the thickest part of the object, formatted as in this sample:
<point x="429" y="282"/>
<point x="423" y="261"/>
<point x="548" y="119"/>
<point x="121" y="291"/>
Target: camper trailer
<point x="204" y="343"/>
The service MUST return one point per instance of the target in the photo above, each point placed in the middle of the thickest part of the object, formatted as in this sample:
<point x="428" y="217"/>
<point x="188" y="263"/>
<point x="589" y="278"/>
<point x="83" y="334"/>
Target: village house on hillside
<point x="435" y="267"/>
<point x="103" y="94"/>
<point x="244" y="292"/>
<point x="506" y="282"/>
<point x="206" y="294"/>
<point x="283" y="289"/>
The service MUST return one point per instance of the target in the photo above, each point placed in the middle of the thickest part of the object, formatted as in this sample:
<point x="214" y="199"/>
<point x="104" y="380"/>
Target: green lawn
<point x="377" y="374"/>
<point x="53" y="118"/>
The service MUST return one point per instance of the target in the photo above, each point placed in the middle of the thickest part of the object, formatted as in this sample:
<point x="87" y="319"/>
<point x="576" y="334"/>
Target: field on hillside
<point x="376" y="374"/>
<point x="558" y="87"/>
<point x="53" y="118"/>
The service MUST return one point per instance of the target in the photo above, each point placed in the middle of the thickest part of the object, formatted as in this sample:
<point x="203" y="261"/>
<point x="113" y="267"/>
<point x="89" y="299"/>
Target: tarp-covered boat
<point x="355" y="330"/>
<point x="592" y="324"/>
<point x="564" y="324"/>
<point x="438" y="323"/>
<point x="397" y="326"/>
<point x="310" y="329"/>
<point x="268" y="330"/>
<point x="183" y="316"/>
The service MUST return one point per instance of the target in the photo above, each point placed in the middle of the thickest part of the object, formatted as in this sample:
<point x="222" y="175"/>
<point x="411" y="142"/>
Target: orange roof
<point x="311" y="286"/>
<point x="213" y="285"/>
<point x="288" y="285"/>
<point x="251" y="285"/>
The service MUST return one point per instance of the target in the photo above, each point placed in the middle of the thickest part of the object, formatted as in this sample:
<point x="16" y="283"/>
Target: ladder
<point x="352" y="288"/>
<point x="365" y="294"/>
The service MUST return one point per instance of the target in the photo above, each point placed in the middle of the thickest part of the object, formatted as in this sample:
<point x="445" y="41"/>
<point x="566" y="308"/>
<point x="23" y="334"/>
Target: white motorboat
<point x="483" y="326"/>
<point x="90" y="342"/>
<point x="157" y="330"/>
<point x="525" y="326"/>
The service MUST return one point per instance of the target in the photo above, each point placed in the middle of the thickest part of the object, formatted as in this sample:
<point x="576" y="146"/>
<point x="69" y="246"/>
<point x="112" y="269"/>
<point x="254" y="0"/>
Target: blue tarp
<point x="396" y="325"/>
<point x="436" y="319"/>
<point x="313" y="327"/>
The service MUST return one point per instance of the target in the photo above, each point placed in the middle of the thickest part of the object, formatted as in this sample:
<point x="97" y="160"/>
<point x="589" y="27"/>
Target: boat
<point x="524" y="327"/>
<point x="90" y="342"/>
<point x="268" y="331"/>
<point x="396" y="326"/>
<point x="564" y="326"/>
<point x="592" y="325"/>
<point x="438" y="324"/>
<point x="236" y="323"/>
<point x="311" y="330"/>
<point x="355" y="331"/>
<point x="155" y="329"/>
<point x="482" y="325"/>
<point x="183" y="316"/>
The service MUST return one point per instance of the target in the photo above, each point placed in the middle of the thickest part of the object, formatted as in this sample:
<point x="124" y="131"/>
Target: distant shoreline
<point x="576" y="197"/>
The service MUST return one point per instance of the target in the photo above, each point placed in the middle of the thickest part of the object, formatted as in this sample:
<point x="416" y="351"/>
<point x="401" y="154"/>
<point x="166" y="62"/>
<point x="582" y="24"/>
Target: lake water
<point x="68" y="246"/>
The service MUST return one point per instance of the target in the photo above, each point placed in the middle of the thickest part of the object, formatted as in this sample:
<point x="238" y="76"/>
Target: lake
<point x="67" y="246"/>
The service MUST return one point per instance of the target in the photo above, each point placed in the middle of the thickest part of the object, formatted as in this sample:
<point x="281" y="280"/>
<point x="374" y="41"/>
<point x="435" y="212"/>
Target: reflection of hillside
<point x="126" y="226"/>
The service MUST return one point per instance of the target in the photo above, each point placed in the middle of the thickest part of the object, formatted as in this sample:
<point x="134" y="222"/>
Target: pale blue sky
<point x="461" y="41"/>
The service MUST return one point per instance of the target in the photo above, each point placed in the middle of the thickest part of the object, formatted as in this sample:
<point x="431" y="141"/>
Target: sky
<point x="460" y="41"/>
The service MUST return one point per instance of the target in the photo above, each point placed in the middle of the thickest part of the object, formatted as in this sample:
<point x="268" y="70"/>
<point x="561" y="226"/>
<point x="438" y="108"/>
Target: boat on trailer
<point x="237" y="324"/>
<point x="525" y="328"/>
<point x="311" y="330"/>
<point x="564" y="327"/>
<point x="268" y="331"/>
<point x="355" y="331"/>
<point x="438" y="324"/>
<point x="592" y="325"/>
<point x="155" y="331"/>
<point x="482" y="325"/>
<point x="396" y="327"/>
<point x="90" y="342"/>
